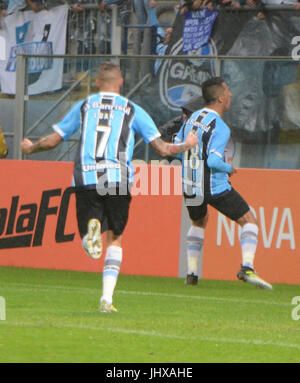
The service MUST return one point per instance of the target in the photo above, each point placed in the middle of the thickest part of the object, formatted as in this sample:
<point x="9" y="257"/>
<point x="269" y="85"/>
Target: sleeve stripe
<point x="58" y="130"/>
<point x="217" y="153"/>
<point x="154" y="137"/>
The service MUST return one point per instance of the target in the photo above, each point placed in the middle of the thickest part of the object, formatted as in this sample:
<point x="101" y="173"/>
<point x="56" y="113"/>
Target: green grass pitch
<point x="52" y="316"/>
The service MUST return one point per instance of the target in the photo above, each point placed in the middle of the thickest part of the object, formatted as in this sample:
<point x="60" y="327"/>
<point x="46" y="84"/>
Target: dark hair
<point x="192" y="105"/>
<point x="211" y="89"/>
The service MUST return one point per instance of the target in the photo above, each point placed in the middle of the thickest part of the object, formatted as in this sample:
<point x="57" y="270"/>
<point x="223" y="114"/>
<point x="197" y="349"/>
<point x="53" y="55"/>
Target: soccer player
<point x="205" y="181"/>
<point x="103" y="171"/>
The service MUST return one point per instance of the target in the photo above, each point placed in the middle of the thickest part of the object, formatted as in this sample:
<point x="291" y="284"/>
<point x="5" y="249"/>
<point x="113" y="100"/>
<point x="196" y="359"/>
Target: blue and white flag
<point x="197" y="29"/>
<point x="32" y="33"/>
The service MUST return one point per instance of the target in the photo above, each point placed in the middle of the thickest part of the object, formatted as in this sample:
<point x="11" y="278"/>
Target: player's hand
<point x="191" y="139"/>
<point x="233" y="169"/>
<point x="297" y="6"/>
<point x="102" y="6"/>
<point x="26" y="146"/>
<point x="77" y="8"/>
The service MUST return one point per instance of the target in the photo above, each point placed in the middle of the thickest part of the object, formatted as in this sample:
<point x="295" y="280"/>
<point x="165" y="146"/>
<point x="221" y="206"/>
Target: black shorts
<point x="230" y="203"/>
<point x="111" y="210"/>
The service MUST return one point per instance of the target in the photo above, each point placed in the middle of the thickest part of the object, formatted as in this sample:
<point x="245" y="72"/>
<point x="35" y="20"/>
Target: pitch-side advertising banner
<point x="38" y="226"/>
<point x="42" y="33"/>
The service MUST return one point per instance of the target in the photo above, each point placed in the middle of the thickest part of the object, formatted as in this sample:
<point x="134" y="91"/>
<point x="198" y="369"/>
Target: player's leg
<point x="195" y="241"/>
<point x="248" y="238"/>
<point x="233" y="206"/>
<point x="89" y="217"/>
<point x="248" y="241"/>
<point x="111" y="270"/>
<point x="117" y="212"/>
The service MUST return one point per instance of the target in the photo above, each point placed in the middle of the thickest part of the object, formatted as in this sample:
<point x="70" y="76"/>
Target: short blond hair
<point x="109" y="72"/>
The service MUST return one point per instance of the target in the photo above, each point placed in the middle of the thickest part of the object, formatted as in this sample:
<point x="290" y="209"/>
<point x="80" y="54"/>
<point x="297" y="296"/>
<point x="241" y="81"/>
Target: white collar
<point x="211" y="110"/>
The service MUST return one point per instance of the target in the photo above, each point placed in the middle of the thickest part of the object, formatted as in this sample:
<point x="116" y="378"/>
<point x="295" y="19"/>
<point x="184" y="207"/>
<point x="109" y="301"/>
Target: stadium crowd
<point x="144" y="11"/>
<point x="141" y="8"/>
<point x="84" y="24"/>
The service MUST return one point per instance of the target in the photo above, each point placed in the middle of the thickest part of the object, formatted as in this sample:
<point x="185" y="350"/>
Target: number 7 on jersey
<point x="103" y="133"/>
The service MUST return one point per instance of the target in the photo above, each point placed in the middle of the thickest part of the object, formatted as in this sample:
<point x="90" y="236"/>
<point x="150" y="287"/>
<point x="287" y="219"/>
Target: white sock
<point x="248" y="240"/>
<point x="111" y="269"/>
<point x="195" y="240"/>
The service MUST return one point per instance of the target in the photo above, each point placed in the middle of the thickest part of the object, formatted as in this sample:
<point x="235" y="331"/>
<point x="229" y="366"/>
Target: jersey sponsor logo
<point x="23" y="225"/>
<point x="100" y="166"/>
<point x="200" y="125"/>
<point x="108" y="107"/>
<point x="180" y="80"/>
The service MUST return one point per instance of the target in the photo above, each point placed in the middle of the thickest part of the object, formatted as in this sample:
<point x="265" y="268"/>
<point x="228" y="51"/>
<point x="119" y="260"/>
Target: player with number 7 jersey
<point x="103" y="172"/>
<point x="108" y="124"/>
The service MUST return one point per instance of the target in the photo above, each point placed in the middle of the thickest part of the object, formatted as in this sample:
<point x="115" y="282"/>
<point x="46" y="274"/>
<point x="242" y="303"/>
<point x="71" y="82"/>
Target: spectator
<point x="162" y="36"/>
<point x="17" y="5"/>
<point x="142" y="10"/>
<point x="104" y="28"/>
<point x="84" y="31"/>
<point x="197" y="4"/>
<point x="297" y="5"/>
<point x="35" y="5"/>
<point x="3" y="7"/>
<point x="252" y="4"/>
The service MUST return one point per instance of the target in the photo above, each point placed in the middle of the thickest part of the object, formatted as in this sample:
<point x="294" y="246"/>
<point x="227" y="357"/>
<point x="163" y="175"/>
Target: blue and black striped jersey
<point x="204" y="165"/>
<point x="107" y="123"/>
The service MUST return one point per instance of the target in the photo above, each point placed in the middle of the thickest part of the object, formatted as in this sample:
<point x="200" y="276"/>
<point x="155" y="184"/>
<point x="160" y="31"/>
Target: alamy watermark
<point x="296" y="49"/>
<point x="157" y="178"/>
<point x="2" y="309"/>
<point x="296" y="309"/>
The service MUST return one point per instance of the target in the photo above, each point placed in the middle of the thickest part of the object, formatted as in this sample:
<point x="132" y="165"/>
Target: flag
<point x="197" y="29"/>
<point x="42" y="33"/>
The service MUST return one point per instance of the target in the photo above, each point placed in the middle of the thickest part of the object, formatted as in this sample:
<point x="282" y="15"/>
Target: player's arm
<point x="165" y="149"/>
<point x="216" y="149"/>
<point x="145" y="126"/>
<point x="215" y="162"/>
<point x="62" y="131"/>
<point x="43" y="144"/>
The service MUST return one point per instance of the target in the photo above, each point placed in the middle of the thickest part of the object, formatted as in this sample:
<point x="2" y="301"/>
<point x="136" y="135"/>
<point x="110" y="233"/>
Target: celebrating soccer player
<point x="206" y="181"/>
<point x="103" y="171"/>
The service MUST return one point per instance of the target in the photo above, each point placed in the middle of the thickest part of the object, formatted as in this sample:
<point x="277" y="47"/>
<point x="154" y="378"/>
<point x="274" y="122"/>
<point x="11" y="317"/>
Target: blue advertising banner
<point x="197" y="29"/>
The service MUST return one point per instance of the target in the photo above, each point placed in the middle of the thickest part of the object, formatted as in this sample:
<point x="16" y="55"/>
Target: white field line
<point x="156" y="334"/>
<point x="87" y="290"/>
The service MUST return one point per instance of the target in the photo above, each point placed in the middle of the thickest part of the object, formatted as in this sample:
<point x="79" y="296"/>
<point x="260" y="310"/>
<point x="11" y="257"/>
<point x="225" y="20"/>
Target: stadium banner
<point x="197" y="29"/>
<point x="261" y="103"/>
<point x="42" y="33"/>
<point x="38" y="227"/>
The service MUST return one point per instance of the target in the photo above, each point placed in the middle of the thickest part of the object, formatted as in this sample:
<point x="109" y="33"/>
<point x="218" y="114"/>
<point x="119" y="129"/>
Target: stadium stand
<point x="89" y="32"/>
